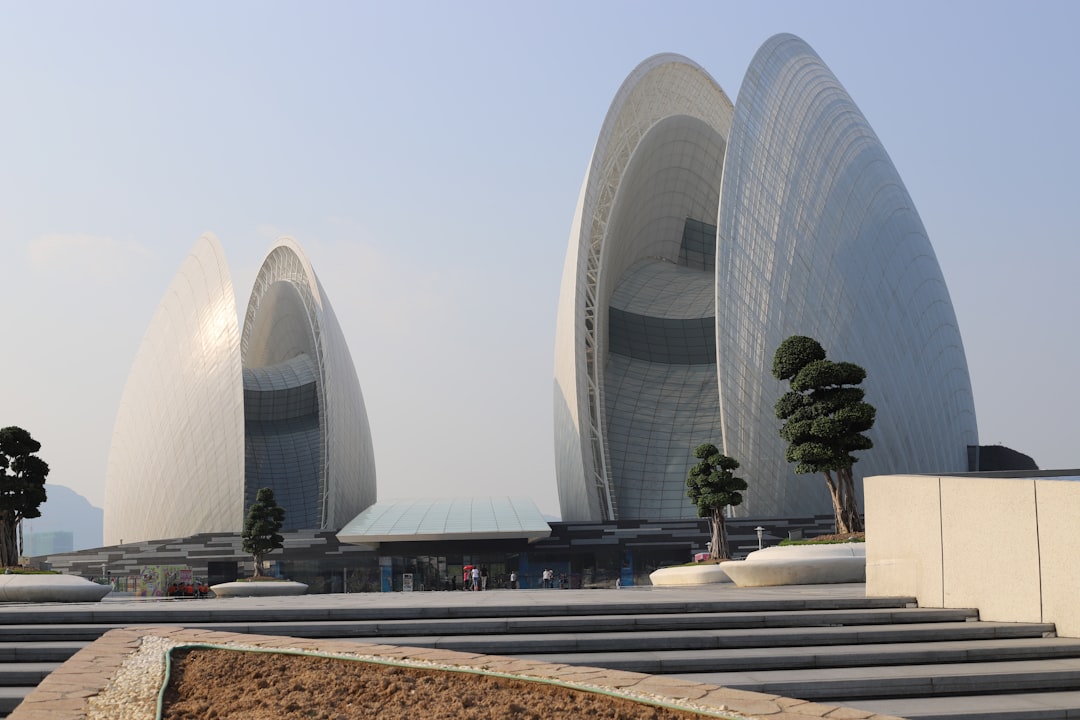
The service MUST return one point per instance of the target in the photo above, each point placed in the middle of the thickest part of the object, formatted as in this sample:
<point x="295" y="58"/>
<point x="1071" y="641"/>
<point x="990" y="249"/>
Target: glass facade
<point x="710" y="228"/>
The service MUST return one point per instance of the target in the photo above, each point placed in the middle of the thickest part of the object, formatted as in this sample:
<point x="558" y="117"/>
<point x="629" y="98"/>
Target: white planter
<point x="259" y="588"/>
<point x="18" y="587"/>
<point x="800" y="565"/>
<point x="689" y="575"/>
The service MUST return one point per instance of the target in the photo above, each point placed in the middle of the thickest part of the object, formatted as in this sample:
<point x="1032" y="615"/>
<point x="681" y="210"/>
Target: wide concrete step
<point x="821" y="656"/>
<point x="12" y="696"/>
<point x="1019" y="706"/>
<point x="596" y="623"/>
<point x="530" y="625"/>
<point x="25" y="673"/>
<point x="854" y="684"/>
<point x="16" y="652"/>
<point x="189" y="612"/>
<point x="651" y="640"/>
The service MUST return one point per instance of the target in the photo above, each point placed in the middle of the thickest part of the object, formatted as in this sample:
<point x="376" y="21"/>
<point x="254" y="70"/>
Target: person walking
<point x="513" y="579"/>
<point x="475" y="578"/>
<point x="483" y="577"/>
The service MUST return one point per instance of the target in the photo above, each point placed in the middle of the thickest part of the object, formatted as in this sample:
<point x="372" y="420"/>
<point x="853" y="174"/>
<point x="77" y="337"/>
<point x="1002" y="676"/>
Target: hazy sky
<point x="428" y="156"/>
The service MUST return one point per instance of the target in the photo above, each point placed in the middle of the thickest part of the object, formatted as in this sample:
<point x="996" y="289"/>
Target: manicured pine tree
<point x="712" y="486"/>
<point x="22" y="488"/>
<point x="264" y="520"/>
<point x="824" y="420"/>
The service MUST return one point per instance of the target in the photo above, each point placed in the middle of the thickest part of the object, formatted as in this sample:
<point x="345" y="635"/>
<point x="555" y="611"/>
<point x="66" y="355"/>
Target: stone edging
<point x="86" y="680"/>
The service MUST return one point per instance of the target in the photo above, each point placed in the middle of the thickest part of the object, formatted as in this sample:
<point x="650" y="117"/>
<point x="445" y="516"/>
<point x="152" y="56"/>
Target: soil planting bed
<point x="207" y="684"/>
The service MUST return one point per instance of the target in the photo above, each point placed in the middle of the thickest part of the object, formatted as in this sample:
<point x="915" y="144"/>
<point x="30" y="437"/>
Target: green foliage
<point x="794" y="354"/>
<point x="262" y="527"/>
<point x="825" y="417"/>
<point x="711" y="485"/>
<point x="22" y="487"/>
<point x="22" y="473"/>
<point x="812" y="541"/>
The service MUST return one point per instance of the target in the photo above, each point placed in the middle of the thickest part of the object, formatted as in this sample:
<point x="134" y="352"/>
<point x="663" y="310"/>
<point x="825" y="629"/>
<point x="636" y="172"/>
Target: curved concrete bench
<point x="18" y="587"/>
<point x="689" y="575"/>
<point x="259" y="588"/>
<point x="800" y="565"/>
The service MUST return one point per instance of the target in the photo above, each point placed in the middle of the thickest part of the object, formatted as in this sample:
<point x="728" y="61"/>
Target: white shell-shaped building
<point x="211" y="414"/>
<point x="705" y="234"/>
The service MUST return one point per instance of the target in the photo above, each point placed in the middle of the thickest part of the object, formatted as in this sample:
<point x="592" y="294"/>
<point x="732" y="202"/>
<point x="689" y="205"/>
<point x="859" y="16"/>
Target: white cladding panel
<point x="176" y="460"/>
<point x="818" y="237"/>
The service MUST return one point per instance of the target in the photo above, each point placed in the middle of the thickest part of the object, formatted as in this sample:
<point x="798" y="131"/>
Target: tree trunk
<point x="719" y="537"/>
<point x="852" y="519"/>
<point x="9" y="544"/>
<point x="835" y="492"/>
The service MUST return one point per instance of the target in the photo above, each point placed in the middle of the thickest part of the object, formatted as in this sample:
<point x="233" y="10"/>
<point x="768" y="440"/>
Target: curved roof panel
<point x="487" y="518"/>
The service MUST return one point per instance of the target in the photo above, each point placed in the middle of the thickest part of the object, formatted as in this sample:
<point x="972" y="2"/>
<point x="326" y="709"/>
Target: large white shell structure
<point x="210" y="415"/>
<point x="705" y="234"/>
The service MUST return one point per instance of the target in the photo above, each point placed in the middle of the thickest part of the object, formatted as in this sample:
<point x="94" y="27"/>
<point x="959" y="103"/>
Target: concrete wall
<point x="1006" y="546"/>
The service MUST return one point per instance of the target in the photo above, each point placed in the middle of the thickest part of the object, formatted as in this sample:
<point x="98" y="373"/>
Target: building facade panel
<point x="656" y="164"/>
<point x="827" y="243"/>
<point x="178" y="441"/>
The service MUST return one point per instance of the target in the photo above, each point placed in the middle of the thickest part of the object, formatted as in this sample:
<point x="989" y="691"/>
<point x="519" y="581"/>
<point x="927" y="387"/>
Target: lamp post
<point x="759" y="530"/>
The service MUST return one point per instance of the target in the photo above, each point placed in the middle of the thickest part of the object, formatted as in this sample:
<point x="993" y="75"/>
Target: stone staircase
<point x="883" y="655"/>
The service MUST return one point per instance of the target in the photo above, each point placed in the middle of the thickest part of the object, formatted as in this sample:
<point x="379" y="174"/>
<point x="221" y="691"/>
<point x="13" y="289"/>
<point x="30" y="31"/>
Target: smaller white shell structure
<point x="203" y="424"/>
<point x="306" y="426"/>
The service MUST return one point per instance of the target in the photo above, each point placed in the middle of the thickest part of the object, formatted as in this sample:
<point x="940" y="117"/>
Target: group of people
<point x="475" y="577"/>
<point x="549" y="579"/>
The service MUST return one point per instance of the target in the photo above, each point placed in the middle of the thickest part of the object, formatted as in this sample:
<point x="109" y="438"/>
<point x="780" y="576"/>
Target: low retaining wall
<point x="1007" y="546"/>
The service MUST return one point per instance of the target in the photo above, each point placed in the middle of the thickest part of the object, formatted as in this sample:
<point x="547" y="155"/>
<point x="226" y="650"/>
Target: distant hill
<point x="67" y="510"/>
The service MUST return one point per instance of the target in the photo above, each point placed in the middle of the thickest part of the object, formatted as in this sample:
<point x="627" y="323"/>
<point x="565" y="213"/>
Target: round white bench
<point x="259" y="588"/>
<point x="800" y="565"/>
<point x="19" y="587"/>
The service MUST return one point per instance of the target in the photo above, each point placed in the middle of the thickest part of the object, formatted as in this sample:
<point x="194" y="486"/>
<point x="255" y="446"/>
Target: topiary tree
<point x="712" y="486"/>
<point x="264" y="520"/>
<point x="824" y="420"/>
<point x="22" y="488"/>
